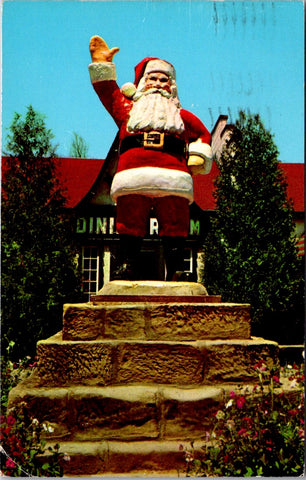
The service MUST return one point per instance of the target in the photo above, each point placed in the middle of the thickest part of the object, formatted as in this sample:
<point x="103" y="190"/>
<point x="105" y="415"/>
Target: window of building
<point x="188" y="260"/>
<point x="90" y="270"/>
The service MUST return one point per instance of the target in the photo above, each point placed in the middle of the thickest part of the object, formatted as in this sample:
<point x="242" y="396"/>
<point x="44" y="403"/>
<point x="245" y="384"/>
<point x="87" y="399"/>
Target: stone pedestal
<point x="136" y="372"/>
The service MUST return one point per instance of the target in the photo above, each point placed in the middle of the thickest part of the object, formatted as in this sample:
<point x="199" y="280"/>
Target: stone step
<point x="154" y="291"/>
<point x="150" y="458"/>
<point x="110" y="362"/>
<point x="151" y="321"/>
<point x="121" y="412"/>
<point x="153" y="287"/>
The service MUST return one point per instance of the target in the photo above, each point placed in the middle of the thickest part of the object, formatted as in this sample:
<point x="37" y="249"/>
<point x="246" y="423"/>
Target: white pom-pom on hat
<point x="128" y="89"/>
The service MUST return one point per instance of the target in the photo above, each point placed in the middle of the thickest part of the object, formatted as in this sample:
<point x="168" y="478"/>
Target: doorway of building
<point x="151" y="262"/>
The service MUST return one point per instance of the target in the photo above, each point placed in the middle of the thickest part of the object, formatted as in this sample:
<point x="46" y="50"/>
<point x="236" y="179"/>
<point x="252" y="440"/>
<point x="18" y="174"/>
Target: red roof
<point x="78" y="175"/>
<point x="296" y="185"/>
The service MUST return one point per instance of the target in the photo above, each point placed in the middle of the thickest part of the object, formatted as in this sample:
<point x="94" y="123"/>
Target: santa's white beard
<point x="155" y="110"/>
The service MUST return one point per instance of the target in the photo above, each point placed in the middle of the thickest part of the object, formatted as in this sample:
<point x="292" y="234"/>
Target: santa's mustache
<point x="161" y="91"/>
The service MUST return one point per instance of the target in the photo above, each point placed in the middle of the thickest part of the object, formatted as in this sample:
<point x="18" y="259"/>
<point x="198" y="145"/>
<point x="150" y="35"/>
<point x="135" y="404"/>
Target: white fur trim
<point x="128" y="89"/>
<point x="204" y="152"/>
<point x="102" y="71"/>
<point x="201" y="149"/>
<point x="152" y="181"/>
<point x="160" y="66"/>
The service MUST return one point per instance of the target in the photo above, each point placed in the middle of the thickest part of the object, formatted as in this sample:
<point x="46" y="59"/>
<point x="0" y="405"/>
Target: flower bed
<point x="259" y="432"/>
<point x="22" y="449"/>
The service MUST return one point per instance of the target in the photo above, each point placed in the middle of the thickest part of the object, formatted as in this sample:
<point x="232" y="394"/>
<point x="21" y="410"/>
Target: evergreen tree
<point x="79" y="148"/>
<point x="250" y="251"/>
<point x="39" y="271"/>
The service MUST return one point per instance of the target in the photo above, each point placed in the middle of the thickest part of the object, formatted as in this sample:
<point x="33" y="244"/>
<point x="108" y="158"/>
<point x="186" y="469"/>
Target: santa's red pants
<point x="172" y="213"/>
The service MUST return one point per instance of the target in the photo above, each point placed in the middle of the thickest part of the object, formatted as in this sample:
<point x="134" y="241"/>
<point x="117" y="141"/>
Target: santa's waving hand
<point x="99" y="50"/>
<point x="161" y="144"/>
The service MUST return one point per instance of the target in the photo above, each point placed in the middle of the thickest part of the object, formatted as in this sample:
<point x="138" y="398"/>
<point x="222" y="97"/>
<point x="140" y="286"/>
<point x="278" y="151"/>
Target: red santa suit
<point x="151" y="170"/>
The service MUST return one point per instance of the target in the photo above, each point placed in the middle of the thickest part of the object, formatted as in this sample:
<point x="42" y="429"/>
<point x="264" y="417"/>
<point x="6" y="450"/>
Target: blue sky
<point x="229" y="55"/>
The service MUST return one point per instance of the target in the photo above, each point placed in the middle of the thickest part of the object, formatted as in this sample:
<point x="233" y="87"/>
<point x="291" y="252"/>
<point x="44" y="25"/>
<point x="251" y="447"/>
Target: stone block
<point x="198" y="321"/>
<point x="188" y="410"/>
<point x="83" y="459"/>
<point x="233" y="360"/>
<point x="151" y="287"/>
<point x="125" y="321"/>
<point x="71" y="362"/>
<point x="144" y="458"/>
<point x="83" y="321"/>
<point x="110" y="320"/>
<point x="159" y="362"/>
<point x="126" y="412"/>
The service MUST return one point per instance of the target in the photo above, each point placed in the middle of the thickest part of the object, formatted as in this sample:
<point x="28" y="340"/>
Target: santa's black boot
<point x="129" y="253"/>
<point x="174" y="257"/>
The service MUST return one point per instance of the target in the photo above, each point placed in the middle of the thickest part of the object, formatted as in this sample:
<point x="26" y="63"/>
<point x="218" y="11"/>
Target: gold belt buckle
<point x="153" y="140"/>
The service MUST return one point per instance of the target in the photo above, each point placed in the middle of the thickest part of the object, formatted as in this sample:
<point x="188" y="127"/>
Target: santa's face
<point x="157" y="80"/>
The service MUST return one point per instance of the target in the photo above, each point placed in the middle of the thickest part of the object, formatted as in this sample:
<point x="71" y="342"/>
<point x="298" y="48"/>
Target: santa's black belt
<point x="155" y="141"/>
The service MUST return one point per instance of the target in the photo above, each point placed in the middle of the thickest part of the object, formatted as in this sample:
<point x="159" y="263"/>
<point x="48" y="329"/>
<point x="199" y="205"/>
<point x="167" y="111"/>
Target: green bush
<point x="250" y="250"/>
<point x="38" y="265"/>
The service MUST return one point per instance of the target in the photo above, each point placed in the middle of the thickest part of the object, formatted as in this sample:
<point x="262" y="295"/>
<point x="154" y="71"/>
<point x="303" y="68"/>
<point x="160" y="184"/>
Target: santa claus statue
<point x="161" y="147"/>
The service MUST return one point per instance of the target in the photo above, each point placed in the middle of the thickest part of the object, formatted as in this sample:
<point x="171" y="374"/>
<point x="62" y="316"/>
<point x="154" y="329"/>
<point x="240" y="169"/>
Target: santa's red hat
<point x="153" y="64"/>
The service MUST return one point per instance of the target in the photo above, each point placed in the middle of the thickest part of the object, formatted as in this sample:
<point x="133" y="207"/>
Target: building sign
<point x="107" y="226"/>
<point x="96" y="225"/>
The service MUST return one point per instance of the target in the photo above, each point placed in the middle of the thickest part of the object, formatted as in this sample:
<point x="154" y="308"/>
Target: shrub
<point x="250" y="250"/>
<point x="12" y="373"/>
<point x="258" y="432"/>
<point x="39" y="269"/>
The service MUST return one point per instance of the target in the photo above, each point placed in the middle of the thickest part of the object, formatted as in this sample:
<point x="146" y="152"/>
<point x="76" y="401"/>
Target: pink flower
<point x="276" y="379"/>
<point x="232" y="394"/>
<point x="240" y="402"/>
<point x="260" y="366"/>
<point x="10" y="420"/>
<point x="10" y="463"/>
